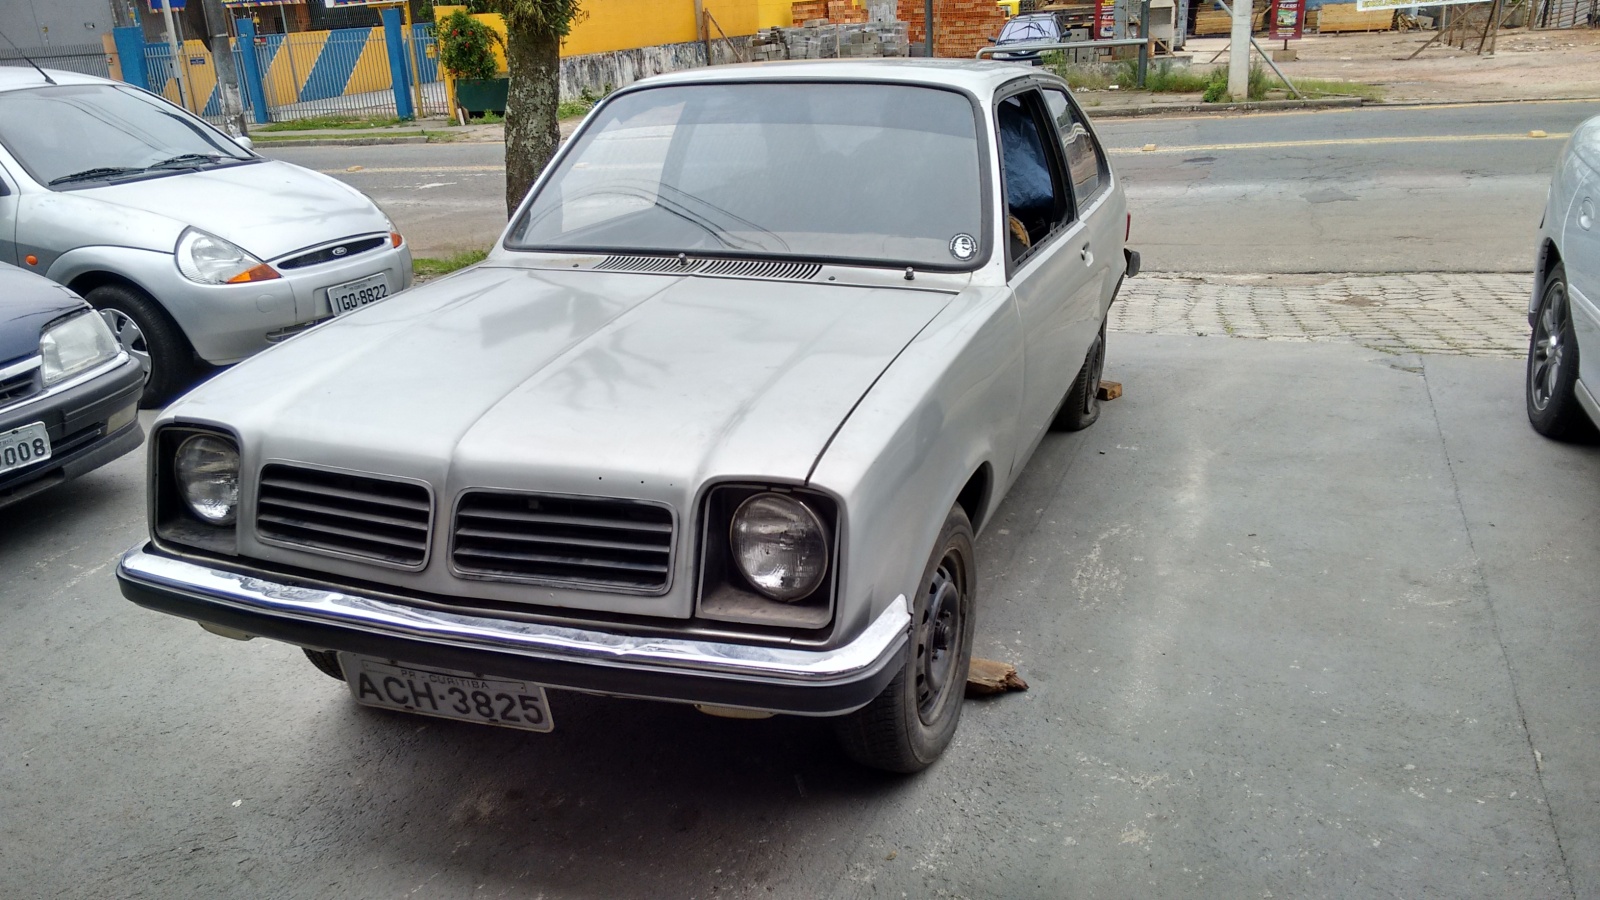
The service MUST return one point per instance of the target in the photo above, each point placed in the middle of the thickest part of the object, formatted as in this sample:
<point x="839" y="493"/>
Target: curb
<point x="1132" y="112"/>
<point x="342" y="142"/>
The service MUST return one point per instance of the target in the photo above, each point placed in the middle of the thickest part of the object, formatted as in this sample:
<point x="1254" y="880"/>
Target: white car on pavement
<point x="1565" y="308"/>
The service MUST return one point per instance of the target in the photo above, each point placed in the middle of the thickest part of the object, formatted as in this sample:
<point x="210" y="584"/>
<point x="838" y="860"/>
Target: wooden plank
<point x="988" y="677"/>
<point x="1109" y="390"/>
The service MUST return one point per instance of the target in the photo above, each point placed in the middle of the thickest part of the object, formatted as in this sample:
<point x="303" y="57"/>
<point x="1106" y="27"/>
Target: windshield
<point x="1028" y="30"/>
<point x="87" y="134"/>
<point x="874" y="173"/>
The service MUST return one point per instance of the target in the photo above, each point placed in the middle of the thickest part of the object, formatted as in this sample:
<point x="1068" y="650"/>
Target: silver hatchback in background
<point x="1565" y="308"/>
<point x="196" y="249"/>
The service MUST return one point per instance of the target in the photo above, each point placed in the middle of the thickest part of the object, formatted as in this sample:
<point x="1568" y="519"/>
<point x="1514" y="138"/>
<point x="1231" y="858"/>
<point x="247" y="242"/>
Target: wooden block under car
<point x="1109" y="390"/>
<point x="987" y="677"/>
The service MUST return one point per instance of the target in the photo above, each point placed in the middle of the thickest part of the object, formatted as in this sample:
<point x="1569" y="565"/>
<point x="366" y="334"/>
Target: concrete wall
<point x="598" y="73"/>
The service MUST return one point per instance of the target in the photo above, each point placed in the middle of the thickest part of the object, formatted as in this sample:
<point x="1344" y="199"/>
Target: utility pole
<point x="1239" y="51"/>
<point x="180" y="64"/>
<point x="222" y="58"/>
<point x="927" y="22"/>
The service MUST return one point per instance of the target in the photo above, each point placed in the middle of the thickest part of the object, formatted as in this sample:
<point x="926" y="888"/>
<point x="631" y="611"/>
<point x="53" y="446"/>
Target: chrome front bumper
<point x="773" y="678"/>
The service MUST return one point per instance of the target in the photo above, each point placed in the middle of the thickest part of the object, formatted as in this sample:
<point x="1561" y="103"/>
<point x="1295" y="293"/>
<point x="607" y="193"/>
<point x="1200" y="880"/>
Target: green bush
<point x="466" y="47"/>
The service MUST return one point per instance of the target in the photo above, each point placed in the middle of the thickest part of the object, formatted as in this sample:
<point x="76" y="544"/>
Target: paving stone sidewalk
<point x="1457" y="314"/>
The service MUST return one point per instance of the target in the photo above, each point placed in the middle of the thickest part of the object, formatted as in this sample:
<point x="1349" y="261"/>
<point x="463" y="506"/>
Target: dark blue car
<point x="69" y="395"/>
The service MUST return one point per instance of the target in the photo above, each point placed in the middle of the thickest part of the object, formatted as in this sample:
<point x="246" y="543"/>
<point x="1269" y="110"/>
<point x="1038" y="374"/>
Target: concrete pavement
<point x="1307" y="620"/>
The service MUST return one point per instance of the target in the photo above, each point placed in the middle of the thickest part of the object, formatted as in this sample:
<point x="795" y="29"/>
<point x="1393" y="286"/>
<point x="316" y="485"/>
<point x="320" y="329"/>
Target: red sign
<point x="1105" y="20"/>
<point x="1288" y="20"/>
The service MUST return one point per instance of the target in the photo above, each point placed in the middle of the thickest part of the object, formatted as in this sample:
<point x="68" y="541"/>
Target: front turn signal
<point x="262" y="272"/>
<point x="395" y="240"/>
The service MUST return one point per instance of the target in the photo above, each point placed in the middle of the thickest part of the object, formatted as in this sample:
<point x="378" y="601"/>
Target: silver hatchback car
<point x="196" y="249"/>
<point x="1564" y="311"/>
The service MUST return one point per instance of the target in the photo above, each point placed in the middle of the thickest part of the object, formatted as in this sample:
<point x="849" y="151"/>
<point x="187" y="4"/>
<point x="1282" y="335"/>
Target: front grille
<point x="577" y="541"/>
<point x="343" y="250"/>
<point x="346" y="515"/>
<point x="19" y="381"/>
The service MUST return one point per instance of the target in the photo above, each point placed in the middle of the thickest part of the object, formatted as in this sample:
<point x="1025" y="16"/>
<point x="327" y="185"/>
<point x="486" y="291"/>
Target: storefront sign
<point x="1105" y="20"/>
<point x="1288" y="20"/>
<point x="1370" y="5"/>
<point x="157" y="5"/>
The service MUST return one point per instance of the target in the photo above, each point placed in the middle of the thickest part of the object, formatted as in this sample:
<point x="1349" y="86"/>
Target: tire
<point x="326" y="661"/>
<point x="1081" y="407"/>
<point x="907" y="726"/>
<point x="1552" y="374"/>
<point x="145" y="330"/>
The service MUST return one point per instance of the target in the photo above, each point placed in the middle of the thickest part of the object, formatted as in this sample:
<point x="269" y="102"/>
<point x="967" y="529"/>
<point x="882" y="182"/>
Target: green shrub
<point x="466" y="47"/>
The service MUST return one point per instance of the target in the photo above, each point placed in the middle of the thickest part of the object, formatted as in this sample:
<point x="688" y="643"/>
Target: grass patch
<point x="1160" y="78"/>
<point x="572" y="109"/>
<point x="1323" y="87"/>
<point x="317" y="123"/>
<point x="425" y="268"/>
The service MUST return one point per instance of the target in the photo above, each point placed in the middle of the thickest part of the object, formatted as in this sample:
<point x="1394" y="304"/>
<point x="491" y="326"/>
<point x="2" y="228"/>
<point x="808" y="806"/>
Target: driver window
<point x="1036" y="199"/>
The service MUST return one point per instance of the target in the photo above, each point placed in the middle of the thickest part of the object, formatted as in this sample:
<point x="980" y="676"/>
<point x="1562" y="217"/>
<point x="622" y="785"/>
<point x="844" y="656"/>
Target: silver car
<point x="1564" y="311"/>
<point x="196" y="249"/>
<point x="716" y="423"/>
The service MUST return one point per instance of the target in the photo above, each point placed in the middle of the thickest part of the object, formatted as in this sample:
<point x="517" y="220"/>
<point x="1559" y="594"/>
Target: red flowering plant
<point x="466" y="47"/>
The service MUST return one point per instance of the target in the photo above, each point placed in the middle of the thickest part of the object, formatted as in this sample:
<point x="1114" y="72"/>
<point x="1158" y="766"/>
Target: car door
<point x="1104" y="222"/>
<point x="1046" y="259"/>
<point x="8" y="218"/>
<point x="1580" y="254"/>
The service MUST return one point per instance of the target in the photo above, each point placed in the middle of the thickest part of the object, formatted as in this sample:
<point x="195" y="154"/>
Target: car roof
<point x="17" y="75"/>
<point x="981" y="77"/>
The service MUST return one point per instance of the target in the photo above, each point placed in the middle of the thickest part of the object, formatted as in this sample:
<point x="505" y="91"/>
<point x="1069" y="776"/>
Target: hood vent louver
<point x="730" y="268"/>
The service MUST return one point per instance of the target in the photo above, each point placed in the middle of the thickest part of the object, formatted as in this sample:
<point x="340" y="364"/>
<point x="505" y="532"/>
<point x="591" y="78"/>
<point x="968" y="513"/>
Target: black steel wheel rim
<point x="939" y="627"/>
<point x="1097" y="367"/>
<point x="1545" y="359"/>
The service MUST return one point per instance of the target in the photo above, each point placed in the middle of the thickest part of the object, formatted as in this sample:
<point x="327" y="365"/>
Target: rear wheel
<point x="907" y="726"/>
<point x="1081" y="407"/>
<point x="149" y="335"/>
<point x="1552" y="380"/>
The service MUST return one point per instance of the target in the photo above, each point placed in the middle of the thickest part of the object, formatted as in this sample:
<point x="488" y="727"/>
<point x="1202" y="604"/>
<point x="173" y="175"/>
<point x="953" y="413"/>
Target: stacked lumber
<point x="960" y="27"/>
<point x="1209" y="21"/>
<point x="1339" y="18"/>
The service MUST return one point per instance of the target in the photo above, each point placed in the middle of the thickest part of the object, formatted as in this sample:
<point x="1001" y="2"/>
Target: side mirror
<point x="245" y="142"/>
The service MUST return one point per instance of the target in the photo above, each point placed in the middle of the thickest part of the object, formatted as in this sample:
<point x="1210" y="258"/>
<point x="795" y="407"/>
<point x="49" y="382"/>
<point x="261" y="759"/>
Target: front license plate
<point x="24" y="446"/>
<point x="447" y="694"/>
<point x="352" y="295"/>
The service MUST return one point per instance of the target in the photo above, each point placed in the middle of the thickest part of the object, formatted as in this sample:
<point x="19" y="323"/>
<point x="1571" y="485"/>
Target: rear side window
<point x="1085" y="162"/>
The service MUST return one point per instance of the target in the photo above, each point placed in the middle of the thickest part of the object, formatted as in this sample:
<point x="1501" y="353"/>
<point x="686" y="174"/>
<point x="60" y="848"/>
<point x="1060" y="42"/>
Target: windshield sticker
<point x="963" y="247"/>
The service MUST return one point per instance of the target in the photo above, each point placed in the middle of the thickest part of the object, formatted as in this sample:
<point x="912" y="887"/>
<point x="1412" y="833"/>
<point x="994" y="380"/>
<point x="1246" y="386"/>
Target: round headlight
<point x="780" y="545"/>
<point x="208" y="477"/>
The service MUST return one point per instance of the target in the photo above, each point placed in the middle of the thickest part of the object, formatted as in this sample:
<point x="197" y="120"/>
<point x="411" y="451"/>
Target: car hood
<point x="573" y="382"/>
<point x="28" y="302"/>
<point x="269" y="208"/>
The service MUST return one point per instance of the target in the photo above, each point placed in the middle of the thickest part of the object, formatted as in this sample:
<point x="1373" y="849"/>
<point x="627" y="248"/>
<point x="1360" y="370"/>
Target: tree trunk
<point x="532" y="136"/>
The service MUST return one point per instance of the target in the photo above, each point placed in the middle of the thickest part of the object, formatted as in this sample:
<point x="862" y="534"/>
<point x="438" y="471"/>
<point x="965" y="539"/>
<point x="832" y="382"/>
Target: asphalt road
<point x="1403" y="189"/>
<point x="1299" y="621"/>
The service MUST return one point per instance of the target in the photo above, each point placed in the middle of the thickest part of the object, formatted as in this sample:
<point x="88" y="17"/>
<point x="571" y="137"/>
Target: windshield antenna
<point x="47" y="78"/>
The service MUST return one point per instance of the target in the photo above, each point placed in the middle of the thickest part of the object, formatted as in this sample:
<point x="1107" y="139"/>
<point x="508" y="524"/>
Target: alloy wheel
<point x="1544" y="375"/>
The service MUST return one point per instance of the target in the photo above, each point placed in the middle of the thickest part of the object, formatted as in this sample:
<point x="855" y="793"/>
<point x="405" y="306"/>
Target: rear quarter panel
<point x="946" y="407"/>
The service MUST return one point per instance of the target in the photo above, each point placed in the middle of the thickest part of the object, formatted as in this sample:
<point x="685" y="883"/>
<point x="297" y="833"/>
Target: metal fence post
<point x="130" y="51"/>
<point x="399" y="72"/>
<point x="252" y="71"/>
<point x="1144" y="48"/>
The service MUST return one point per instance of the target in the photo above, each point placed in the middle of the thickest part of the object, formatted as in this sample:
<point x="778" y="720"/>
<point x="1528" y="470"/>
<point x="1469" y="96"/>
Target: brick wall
<point x="834" y="12"/>
<point x="960" y="27"/>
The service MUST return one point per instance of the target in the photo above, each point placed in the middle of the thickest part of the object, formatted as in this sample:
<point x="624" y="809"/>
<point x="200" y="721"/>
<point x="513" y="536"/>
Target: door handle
<point x="1087" y="254"/>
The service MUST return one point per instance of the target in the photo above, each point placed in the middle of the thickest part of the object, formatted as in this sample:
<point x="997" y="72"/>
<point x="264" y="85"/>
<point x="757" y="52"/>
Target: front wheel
<point x="149" y="335"/>
<point x="907" y="726"/>
<point x="1552" y="379"/>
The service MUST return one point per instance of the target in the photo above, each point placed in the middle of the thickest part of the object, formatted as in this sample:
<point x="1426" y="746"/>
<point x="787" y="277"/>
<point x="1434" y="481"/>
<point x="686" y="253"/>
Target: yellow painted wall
<point x="628" y="24"/>
<point x="774" y="13"/>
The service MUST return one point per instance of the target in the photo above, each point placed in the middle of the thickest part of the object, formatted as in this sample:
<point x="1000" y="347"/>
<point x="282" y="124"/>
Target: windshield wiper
<point x="185" y="161"/>
<point x="96" y="174"/>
